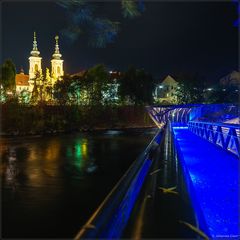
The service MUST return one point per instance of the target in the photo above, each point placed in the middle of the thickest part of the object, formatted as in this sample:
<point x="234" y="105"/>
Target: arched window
<point x="58" y="70"/>
<point x="36" y="67"/>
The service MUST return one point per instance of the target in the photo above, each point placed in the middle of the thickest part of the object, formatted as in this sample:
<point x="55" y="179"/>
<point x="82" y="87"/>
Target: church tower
<point x="57" y="63"/>
<point x="35" y="62"/>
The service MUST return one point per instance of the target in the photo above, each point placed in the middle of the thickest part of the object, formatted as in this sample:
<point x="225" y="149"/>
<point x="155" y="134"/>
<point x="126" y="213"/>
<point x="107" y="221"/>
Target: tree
<point x="48" y="87"/>
<point x="84" y="19"/>
<point x="128" y="83"/>
<point x="144" y="88"/>
<point x="95" y="83"/>
<point x="7" y="75"/>
<point x="61" y="89"/>
<point x="220" y="94"/>
<point x="38" y="94"/>
<point x="190" y="89"/>
<point x="136" y="86"/>
<point x="3" y="95"/>
<point x="24" y="97"/>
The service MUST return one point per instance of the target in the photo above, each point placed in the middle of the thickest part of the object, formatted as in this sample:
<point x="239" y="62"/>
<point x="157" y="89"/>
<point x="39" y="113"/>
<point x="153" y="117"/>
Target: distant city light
<point x="209" y="89"/>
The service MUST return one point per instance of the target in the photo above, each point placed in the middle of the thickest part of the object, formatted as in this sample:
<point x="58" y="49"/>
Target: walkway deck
<point x="212" y="175"/>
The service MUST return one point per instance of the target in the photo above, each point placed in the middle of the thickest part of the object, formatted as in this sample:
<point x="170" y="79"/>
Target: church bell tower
<point x="35" y="62"/>
<point x="57" y="63"/>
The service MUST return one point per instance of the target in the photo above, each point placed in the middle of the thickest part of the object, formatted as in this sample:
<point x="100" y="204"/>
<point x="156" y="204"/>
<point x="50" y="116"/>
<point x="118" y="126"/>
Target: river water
<point x="52" y="185"/>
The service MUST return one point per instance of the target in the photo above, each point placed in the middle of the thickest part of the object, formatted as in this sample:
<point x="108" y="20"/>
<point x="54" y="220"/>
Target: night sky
<point x="169" y="38"/>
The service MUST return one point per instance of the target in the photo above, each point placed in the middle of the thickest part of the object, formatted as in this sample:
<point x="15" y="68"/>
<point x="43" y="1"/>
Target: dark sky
<point x="169" y="38"/>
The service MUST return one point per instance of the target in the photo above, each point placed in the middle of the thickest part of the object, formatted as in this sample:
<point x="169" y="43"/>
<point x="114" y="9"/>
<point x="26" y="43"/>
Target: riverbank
<point x="56" y="133"/>
<point x="20" y="120"/>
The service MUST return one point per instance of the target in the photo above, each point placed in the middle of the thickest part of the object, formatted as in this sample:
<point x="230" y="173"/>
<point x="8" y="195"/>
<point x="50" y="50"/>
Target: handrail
<point x="218" y="124"/>
<point x="100" y="223"/>
<point x="183" y="113"/>
<point x="224" y="135"/>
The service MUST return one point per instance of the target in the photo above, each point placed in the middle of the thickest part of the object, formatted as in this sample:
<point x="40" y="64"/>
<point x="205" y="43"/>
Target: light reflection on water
<point x="11" y="168"/>
<point x="51" y="185"/>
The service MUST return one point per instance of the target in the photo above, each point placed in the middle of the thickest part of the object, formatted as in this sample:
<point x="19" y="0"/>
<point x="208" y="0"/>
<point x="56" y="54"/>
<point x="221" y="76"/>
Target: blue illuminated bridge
<point x="184" y="185"/>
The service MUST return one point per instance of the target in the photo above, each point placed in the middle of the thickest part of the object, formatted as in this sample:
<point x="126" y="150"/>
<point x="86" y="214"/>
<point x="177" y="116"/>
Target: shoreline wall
<point x="26" y="120"/>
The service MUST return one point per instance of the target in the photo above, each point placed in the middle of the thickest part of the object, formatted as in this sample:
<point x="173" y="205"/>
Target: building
<point x="22" y="82"/>
<point x="25" y="82"/>
<point x="231" y="80"/>
<point x="165" y="92"/>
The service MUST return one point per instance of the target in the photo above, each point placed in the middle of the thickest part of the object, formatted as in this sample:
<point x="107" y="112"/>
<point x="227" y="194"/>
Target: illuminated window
<point x="58" y="70"/>
<point x="36" y="67"/>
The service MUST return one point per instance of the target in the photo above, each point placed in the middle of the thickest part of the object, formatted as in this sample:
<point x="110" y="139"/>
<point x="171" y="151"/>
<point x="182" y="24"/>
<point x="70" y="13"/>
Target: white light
<point x="160" y="86"/>
<point x="209" y="89"/>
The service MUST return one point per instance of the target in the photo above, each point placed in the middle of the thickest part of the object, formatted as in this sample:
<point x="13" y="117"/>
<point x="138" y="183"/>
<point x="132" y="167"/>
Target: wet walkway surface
<point x="158" y="214"/>
<point x="212" y="176"/>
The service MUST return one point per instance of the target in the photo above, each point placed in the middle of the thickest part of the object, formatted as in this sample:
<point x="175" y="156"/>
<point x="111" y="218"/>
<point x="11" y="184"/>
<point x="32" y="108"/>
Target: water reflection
<point x="51" y="158"/>
<point x="84" y="148"/>
<point x="53" y="150"/>
<point x="78" y="153"/>
<point x="60" y="180"/>
<point x="11" y="168"/>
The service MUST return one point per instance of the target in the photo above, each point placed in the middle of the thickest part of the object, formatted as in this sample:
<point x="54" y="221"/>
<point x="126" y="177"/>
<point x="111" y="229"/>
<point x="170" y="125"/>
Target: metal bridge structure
<point x="185" y="184"/>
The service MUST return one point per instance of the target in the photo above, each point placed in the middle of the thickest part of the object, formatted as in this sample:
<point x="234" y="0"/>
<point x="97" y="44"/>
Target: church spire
<point x="35" y="51"/>
<point x="57" y="63"/>
<point x="34" y="42"/>
<point x="56" y="46"/>
<point x="57" y="54"/>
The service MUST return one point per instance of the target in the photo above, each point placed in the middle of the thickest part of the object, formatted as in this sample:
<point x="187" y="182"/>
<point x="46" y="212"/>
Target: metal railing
<point x="183" y="113"/>
<point x="227" y="136"/>
<point x="110" y="218"/>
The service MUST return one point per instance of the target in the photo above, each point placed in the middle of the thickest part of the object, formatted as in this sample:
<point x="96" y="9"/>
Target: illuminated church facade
<point x="25" y="82"/>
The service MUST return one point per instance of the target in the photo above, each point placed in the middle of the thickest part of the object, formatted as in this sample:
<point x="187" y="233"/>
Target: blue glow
<point x="211" y="176"/>
<point x="180" y="127"/>
<point x="120" y="217"/>
<point x="237" y="5"/>
<point x="223" y="135"/>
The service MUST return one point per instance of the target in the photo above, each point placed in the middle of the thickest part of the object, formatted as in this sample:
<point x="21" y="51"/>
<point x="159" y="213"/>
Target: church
<point x="25" y="82"/>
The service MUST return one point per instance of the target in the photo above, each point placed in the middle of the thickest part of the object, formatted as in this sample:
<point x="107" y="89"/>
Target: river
<point x="51" y="185"/>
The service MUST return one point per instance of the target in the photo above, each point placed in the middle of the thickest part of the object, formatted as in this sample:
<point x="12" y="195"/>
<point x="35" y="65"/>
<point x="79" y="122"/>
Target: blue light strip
<point x="120" y="217"/>
<point x="211" y="176"/>
<point x="226" y="136"/>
